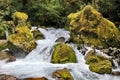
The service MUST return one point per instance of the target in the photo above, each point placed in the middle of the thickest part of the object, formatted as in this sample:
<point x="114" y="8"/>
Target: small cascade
<point x="115" y="64"/>
<point x="7" y="34"/>
<point x="37" y="62"/>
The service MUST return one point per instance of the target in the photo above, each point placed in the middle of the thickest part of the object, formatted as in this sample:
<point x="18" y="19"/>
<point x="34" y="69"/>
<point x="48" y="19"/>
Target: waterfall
<point x="37" y="62"/>
<point x="7" y="34"/>
<point x="115" y="64"/>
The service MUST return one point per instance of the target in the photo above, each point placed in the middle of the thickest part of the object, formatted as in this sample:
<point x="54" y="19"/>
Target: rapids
<point x="37" y="62"/>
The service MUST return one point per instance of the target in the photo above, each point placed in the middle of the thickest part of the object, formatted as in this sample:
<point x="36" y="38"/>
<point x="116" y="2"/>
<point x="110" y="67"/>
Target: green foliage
<point x="4" y="8"/>
<point x="7" y="7"/>
<point x="54" y="12"/>
<point x="50" y="12"/>
<point x="5" y="26"/>
<point x="110" y="9"/>
<point x="2" y="33"/>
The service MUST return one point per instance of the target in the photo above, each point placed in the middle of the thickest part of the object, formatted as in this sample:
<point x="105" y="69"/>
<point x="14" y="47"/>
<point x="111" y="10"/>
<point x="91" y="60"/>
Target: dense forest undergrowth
<point x="54" y="12"/>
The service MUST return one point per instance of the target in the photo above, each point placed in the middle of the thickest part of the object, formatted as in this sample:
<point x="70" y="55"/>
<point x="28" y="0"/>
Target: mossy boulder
<point x="20" y="15"/>
<point x="101" y="67"/>
<point x="90" y="26"/>
<point x="37" y="34"/>
<point x="20" y="19"/>
<point x="63" y="54"/>
<point x="62" y="74"/>
<point x="98" y="63"/>
<point x="23" y="39"/>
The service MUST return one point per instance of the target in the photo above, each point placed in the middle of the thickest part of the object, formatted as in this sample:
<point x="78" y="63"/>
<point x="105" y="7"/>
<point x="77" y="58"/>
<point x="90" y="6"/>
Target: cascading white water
<point x="37" y="62"/>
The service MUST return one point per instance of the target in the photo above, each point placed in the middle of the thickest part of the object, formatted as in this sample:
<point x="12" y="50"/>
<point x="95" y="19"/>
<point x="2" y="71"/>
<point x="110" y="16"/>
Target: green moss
<point x="98" y="64"/>
<point x="62" y="74"/>
<point x="23" y="38"/>
<point x="20" y="15"/>
<point x="101" y="67"/>
<point x="92" y="59"/>
<point x="93" y="28"/>
<point x="63" y="54"/>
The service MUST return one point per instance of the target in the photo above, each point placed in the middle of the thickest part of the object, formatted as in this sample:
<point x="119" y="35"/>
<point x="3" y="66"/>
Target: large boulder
<point x="62" y="74"/>
<point x="101" y="67"/>
<point x="98" y="63"/>
<point x="22" y="39"/>
<point x="90" y="27"/>
<point x="63" y="54"/>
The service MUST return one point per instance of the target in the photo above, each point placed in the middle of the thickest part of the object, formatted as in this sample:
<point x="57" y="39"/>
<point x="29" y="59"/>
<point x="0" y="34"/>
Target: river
<point x="37" y="62"/>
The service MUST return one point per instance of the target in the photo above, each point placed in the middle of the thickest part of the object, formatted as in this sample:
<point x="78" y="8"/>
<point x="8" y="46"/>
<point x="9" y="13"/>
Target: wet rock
<point x="7" y="77"/>
<point x="21" y="41"/>
<point x="12" y="58"/>
<point x="3" y="44"/>
<point x="41" y="78"/>
<point x="116" y="73"/>
<point x="98" y="63"/>
<point x="63" y="54"/>
<point x="6" y="55"/>
<point x="37" y="34"/>
<point x="83" y="51"/>
<point x="90" y="53"/>
<point x="100" y="47"/>
<point x="82" y="48"/>
<point x="61" y="39"/>
<point x="106" y="51"/>
<point x="90" y="27"/>
<point x="62" y="74"/>
<point x="114" y="53"/>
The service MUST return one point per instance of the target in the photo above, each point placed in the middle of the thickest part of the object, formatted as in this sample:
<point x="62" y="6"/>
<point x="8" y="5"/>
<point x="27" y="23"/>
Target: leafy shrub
<point x="51" y="12"/>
